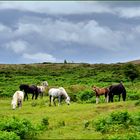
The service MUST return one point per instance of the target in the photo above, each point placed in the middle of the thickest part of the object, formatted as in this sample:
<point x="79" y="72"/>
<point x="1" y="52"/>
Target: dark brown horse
<point x="99" y="92"/>
<point x="117" y="90"/>
<point x="29" y="89"/>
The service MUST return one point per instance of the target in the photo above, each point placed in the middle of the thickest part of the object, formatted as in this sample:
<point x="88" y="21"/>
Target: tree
<point x="131" y="71"/>
<point x="65" y="61"/>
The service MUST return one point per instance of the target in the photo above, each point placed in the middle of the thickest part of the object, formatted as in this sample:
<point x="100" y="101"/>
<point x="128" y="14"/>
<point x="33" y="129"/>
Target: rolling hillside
<point x="135" y="61"/>
<point x="83" y="119"/>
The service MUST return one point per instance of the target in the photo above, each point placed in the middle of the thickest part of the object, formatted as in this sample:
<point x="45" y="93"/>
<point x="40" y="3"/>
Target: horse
<point x="17" y="99"/>
<point x="117" y="90"/>
<point x="58" y="93"/>
<point x="42" y="88"/>
<point x="44" y="83"/>
<point x="29" y="89"/>
<point x="100" y="91"/>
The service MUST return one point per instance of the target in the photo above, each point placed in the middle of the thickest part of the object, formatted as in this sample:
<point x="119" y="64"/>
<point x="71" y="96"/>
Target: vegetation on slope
<point x="83" y="119"/>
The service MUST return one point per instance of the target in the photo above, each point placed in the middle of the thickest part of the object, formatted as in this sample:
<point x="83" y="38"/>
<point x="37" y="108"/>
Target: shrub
<point x="135" y="96"/>
<point x="130" y="136"/>
<point x="61" y="123"/>
<point x="44" y="123"/>
<point x="85" y="95"/>
<point x="4" y="135"/>
<point x="120" y="117"/>
<point x="86" y="123"/>
<point x="100" y="125"/>
<point x="21" y="127"/>
<point x="114" y="122"/>
<point x="137" y="103"/>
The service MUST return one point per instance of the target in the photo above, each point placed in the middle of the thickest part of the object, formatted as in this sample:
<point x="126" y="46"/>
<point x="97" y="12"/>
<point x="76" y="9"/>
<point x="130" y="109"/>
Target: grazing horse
<point x="117" y="90"/>
<point x="44" y="83"/>
<point x="17" y="99"/>
<point x="58" y="93"/>
<point x="29" y="89"/>
<point x="100" y="91"/>
<point x="42" y="88"/>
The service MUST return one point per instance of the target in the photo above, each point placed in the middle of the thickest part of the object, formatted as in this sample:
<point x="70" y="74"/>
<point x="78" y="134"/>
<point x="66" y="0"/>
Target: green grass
<point x="74" y="117"/>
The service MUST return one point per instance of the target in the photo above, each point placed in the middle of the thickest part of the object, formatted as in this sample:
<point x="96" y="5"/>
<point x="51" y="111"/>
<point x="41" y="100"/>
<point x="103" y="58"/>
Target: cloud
<point x="5" y="32"/>
<point x="73" y="7"/>
<point x="82" y="33"/>
<point x="67" y="29"/>
<point x="39" y="57"/>
<point x="17" y="46"/>
<point x="57" y="8"/>
<point x="3" y="28"/>
<point x="128" y="12"/>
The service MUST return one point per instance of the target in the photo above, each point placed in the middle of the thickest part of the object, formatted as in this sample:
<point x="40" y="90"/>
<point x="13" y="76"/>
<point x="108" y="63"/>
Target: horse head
<point x="96" y="89"/>
<point x="14" y="104"/>
<point x="45" y="84"/>
<point x="19" y="102"/>
<point x="64" y="93"/>
<point x="68" y="100"/>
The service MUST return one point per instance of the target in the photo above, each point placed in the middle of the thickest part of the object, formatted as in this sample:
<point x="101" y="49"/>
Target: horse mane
<point x="64" y="91"/>
<point x="15" y="97"/>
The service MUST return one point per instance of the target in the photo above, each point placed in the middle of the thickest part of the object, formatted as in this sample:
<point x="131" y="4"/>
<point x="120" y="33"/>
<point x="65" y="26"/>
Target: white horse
<point x="42" y="88"/>
<point x="58" y="93"/>
<point x="17" y="99"/>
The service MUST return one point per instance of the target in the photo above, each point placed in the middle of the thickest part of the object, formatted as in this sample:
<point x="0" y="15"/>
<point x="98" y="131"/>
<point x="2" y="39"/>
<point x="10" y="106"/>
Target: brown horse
<point x="100" y="91"/>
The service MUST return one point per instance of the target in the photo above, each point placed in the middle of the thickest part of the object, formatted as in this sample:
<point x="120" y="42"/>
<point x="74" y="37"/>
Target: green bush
<point x="4" y="135"/>
<point x="44" y="124"/>
<point x="116" y="121"/>
<point x="137" y="103"/>
<point x="85" y="95"/>
<point x="134" y="96"/>
<point x="21" y="127"/>
<point x="120" y="118"/>
<point x="61" y="124"/>
<point x="86" y="123"/>
<point x="128" y="136"/>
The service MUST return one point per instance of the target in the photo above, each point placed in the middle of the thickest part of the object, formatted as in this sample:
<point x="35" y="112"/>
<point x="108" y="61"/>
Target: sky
<point x="75" y="31"/>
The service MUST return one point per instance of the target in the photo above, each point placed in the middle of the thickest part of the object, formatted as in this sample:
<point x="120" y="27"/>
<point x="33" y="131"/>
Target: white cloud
<point x="128" y="12"/>
<point x="85" y="33"/>
<point x="4" y="28"/>
<point x="72" y="7"/>
<point x="26" y="28"/>
<point x="60" y="7"/>
<point x="40" y="57"/>
<point x="17" y="46"/>
<point x="5" y="31"/>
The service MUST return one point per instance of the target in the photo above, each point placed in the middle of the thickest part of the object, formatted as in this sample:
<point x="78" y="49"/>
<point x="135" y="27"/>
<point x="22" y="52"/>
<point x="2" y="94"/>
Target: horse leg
<point x="26" y="95"/>
<point x="119" y="97"/>
<point x="54" y="101"/>
<point x="106" y="98"/>
<point x="112" y="98"/>
<point x="36" y="95"/>
<point x="59" y="100"/>
<point x="50" y="100"/>
<point x="97" y="99"/>
<point x="124" y="96"/>
<point x="33" y="96"/>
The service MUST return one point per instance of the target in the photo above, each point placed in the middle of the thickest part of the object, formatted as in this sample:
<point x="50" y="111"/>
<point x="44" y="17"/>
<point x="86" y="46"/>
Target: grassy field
<point x="68" y="122"/>
<point x="83" y="119"/>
